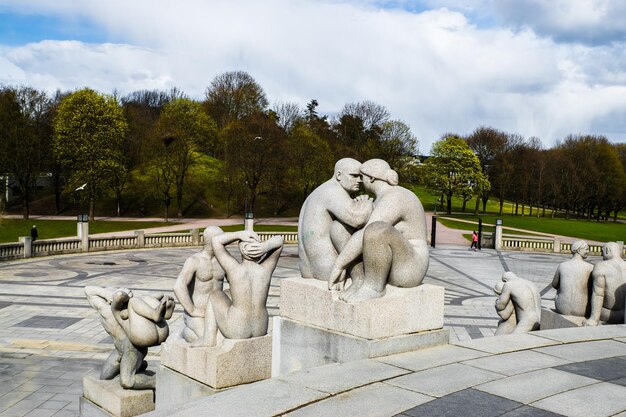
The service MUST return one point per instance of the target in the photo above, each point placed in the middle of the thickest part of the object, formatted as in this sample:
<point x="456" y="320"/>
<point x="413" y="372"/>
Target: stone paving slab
<point x="598" y="400"/>
<point x="516" y="362"/>
<point x="444" y="380"/>
<point x="507" y="343"/>
<point x="529" y="387"/>
<point x="432" y="357"/>
<point x="586" y="350"/>
<point x="376" y="400"/>
<point x="336" y="378"/>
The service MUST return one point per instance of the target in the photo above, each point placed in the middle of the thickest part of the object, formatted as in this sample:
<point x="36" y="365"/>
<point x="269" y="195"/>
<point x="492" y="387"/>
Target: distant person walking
<point x="33" y="233"/>
<point x="474" y="244"/>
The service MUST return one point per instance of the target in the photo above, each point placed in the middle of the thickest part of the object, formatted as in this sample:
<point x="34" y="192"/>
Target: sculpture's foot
<point x="204" y="342"/>
<point x="590" y="322"/>
<point x="350" y="291"/>
<point x="364" y="293"/>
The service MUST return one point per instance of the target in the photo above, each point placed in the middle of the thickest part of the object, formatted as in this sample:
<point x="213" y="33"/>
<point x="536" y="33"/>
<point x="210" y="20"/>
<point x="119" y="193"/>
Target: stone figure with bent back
<point x="572" y="282"/>
<point x="525" y="299"/>
<point x="609" y="287"/>
<point x="135" y="324"/>
<point x="393" y="243"/>
<point x="245" y="314"/>
<point x="328" y="218"/>
<point x="200" y="276"/>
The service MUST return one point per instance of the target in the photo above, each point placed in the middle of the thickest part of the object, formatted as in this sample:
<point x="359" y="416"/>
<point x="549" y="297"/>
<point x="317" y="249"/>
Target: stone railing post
<point x="557" y="245"/>
<point x="195" y="237"/>
<point x="498" y="240"/>
<point x="141" y="238"/>
<point x="84" y="236"/>
<point x="621" y="250"/>
<point x="27" y="241"/>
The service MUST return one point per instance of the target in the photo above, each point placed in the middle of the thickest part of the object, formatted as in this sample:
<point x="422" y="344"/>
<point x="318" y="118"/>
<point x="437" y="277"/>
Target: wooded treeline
<point x="162" y="153"/>
<point x="583" y="176"/>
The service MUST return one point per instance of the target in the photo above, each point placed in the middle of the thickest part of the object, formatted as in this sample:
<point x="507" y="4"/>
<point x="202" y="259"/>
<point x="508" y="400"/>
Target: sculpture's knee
<point x="376" y="231"/>
<point x="127" y="381"/>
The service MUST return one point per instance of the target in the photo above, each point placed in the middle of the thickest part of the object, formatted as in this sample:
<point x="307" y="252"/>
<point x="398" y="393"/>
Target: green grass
<point x="262" y="228"/>
<point x="12" y="229"/>
<point x="467" y="226"/>
<point x="583" y="229"/>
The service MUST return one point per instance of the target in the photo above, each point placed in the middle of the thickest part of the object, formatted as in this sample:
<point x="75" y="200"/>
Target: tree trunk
<point x="167" y="210"/>
<point x="92" y="207"/>
<point x="516" y="208"/>
<point x="179" y="202"/>
<point x="477" y="207"/>
<point x="501" y="206"/>
<point x="531" y="210"/>
<point x="464" y="204"/>
<point x="449" y="209"/>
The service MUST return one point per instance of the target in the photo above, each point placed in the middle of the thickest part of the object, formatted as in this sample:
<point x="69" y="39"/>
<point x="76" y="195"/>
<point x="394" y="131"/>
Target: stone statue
<point x="508" y="321"/>
<point x="571" y="281"/>
<point x="609" y="287"/>
<point x="135" y="324"/>
<point x="392" y="244"/>
<point x="244" y="314"/>
<point x="201" y="275"/>
<point x="526" y="301"/>
<point x="328" y="218"/>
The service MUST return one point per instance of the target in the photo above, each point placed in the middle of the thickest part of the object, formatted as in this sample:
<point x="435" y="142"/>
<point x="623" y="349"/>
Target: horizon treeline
<point x="159" y="152"/>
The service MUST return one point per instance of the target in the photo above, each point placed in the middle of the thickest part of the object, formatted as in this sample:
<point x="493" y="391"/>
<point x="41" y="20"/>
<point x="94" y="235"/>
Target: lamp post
<point x="248" y="218"/>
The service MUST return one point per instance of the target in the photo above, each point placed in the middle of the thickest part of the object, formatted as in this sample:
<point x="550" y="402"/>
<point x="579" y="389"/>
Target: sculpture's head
<point x="610" y="250"/>
<point x="245" y="253"/>
<point x="209" y="233"/>
<point x="508" y="276"/>
<point x="580" y="247"/>
<point x="377" y="170"/>
<point x="347" y="174"/>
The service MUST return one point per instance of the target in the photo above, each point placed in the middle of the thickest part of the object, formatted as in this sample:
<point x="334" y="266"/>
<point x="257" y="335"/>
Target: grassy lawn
<point x="262" y="228"/>
<point x="467" y="226"/>
<point x="583" y="229"/>
<point x="12" y="229"/>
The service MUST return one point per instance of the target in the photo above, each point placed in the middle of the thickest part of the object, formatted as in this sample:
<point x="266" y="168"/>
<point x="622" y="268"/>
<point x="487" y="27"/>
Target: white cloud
<point x="436" y="69"/>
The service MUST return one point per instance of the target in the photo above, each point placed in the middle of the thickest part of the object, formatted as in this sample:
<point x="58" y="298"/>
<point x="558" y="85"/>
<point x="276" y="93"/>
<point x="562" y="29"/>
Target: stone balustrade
<point x="26" y="248"/>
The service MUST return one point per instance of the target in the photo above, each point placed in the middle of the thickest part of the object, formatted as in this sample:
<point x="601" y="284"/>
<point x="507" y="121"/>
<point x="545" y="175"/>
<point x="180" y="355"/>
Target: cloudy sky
<point x="544" y="68"/>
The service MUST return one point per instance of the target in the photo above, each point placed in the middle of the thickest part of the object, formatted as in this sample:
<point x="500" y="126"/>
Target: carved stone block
<point x="112" y="398"/>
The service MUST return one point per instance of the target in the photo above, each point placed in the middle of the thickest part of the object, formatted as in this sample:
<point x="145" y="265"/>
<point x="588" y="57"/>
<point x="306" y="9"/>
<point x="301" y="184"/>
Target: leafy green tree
<point x="453" y="169"/>
<point x="24" y="138"/>
<point x="89" y="129"/>
<point x="183" y="134"/>
<point x="232" y="96"/>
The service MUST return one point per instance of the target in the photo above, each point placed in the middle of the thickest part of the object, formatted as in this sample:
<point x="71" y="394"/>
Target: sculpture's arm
<point x="505" y="313"/>
<point x="354" y="213"/>
<point x="556" y="279"/>
<point x="273" y="247"/>
<point x="597" y="300"/>
<point x="181" y="288"/>
<point x="119" y="308"/>
<point x="220" y="241"/>
<point x="504" y="298"/>
<point x="352" y="250"/>
<point x="98" y="297"/>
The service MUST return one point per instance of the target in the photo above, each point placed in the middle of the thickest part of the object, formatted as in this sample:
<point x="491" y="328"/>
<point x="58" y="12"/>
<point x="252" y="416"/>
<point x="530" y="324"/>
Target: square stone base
<point x="174" y="389"/>
<point x="110" y="397"/>
<point x="233" y="362"/>
<point x="550" y="319"/>
<point x="399" y="312"/>
<point x="298" y="346"/>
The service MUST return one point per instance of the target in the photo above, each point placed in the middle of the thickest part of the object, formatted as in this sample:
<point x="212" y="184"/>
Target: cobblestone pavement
<point x="50" y="337"/>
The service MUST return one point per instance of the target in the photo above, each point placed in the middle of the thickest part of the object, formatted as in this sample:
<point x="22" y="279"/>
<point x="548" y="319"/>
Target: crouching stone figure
<point x="526" y="305"/>
<point x="135" y="323"/>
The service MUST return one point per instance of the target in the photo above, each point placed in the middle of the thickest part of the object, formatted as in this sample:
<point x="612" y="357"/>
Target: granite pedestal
<point x="232" y="362"/>
<point x="316" y="328"/>
<point x="550" y="319"/>
<point x="107" y="398"/>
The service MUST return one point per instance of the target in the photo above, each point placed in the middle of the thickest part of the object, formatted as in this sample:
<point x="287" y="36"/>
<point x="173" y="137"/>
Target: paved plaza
<point x="50" y="337"/>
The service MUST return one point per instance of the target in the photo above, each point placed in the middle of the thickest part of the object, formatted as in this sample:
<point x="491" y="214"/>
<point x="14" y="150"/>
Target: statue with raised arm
<point x="200" y="276"/>
<point x="392" y="244"/>
<point x="135" y="324"/>
<point x="572" y="282"/>
<point x="244" y="315"/>
<point x="328" y="217"/>
<point x="609" y="287"/>
<point x="524" y="297"/>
